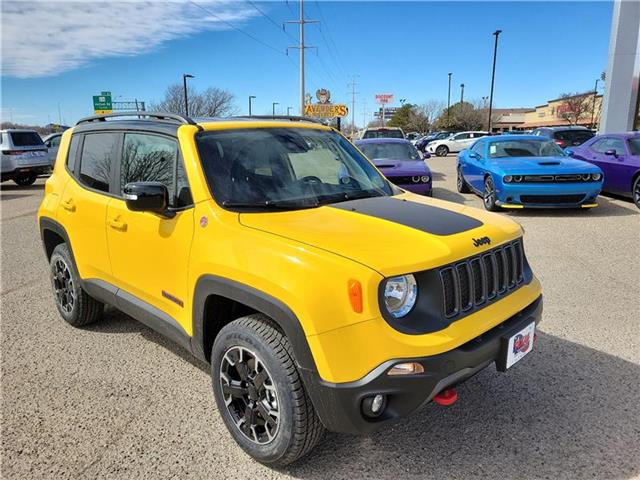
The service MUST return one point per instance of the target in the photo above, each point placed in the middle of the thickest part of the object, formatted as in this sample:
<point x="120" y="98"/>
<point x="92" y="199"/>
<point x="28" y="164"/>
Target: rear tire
<point x="461" y="183"/>
<point x="259" y="392"/>
<point x="26" y="179"/>
<point x="442" y="151"/>
<point x="74" y="304"/>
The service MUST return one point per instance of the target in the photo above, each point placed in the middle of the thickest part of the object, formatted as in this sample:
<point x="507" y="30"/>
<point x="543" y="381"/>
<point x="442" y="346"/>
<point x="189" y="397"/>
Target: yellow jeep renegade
<point x="321" y="295"/>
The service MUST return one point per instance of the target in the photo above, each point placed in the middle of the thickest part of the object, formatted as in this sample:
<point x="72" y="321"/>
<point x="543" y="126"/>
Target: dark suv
<point x="565" y="136"/>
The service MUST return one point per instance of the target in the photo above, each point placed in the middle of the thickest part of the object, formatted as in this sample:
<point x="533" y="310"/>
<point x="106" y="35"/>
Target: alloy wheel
<point x="250" y="395"/>
<point x="63" y="286"/>
<point x="460" y="184"/>
<point x="489" y="196"/>
<point x="636" y="193"/>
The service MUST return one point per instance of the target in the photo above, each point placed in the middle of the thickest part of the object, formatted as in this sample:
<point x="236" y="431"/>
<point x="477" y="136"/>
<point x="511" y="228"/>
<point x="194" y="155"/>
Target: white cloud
<point x="42" y="38"/>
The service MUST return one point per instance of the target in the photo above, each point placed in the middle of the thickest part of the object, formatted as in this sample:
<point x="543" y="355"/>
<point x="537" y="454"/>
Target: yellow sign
<point x="100" y="112"/>
<point x="325" y="110"/>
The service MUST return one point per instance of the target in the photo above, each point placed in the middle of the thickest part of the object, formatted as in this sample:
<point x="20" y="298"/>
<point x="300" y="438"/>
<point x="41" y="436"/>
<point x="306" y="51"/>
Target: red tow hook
<point x="446" y="397"/>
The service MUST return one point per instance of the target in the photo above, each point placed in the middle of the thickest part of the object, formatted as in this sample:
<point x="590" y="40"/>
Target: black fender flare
<point x="275" y="309"/>
<point x="47" y="223"/>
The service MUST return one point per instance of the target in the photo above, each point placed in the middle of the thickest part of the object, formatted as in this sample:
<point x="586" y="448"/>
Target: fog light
<point x="374" y="405"/>
<point x="409" y="368"/>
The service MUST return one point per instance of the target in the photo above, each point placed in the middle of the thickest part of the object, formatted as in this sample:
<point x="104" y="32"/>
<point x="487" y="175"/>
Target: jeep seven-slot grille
<point x="481" y="279"/>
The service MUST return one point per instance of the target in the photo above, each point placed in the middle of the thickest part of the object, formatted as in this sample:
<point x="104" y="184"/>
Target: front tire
<point x="26" y="179"/>
<point x="442" y="151"/>
<point x="461" y="183"/>
<point x="636" y="191"/>
<point x="259" y="392"/>
<point x="489" y="196"/>
<point x="74" y="304"/>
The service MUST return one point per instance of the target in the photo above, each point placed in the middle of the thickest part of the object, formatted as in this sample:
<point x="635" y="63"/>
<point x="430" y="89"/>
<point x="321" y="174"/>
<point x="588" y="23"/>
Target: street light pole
<point x="493" y="77"/>
<point x="449" y="99"/>
<point x="289" y="111"/>
<point x="186" y="99"/>
<point x="251" y="97"/>
<point x="273" y="108"/>
<point x="461" y="92"/>
<point x="593" y="111"/>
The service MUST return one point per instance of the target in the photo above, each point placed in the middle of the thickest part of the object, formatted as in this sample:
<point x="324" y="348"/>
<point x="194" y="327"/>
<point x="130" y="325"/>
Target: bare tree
<point x="212" y="102"/>
<point x="575" y="107"/>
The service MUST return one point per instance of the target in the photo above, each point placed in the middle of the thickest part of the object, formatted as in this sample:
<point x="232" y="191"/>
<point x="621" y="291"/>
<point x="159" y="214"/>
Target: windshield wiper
<point x="346" y="196"/>
<point x="277" y="205"/>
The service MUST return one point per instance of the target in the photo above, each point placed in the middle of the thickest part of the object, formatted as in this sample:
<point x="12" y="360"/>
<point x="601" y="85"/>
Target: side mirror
<point x="47" y="144"/>
<point x="426" y="155"/>
<point x="611" y="152"/>
<point x="147" y="197"/>
<point x="474" y="155"/>
<point x="569" y="152"/>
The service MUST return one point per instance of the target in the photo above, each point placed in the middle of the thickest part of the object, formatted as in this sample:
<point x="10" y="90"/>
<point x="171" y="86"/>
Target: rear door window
<point x="26" y="139"/>
<point x="98" y="156"/>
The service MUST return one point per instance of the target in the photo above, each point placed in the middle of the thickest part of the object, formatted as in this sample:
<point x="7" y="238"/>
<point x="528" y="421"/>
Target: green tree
<point x="402" y="117"/>
<point x="460" y="117"/>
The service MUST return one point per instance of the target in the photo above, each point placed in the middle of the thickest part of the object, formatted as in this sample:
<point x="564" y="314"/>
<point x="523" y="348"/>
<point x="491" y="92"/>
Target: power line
<point x="268" y="17"/>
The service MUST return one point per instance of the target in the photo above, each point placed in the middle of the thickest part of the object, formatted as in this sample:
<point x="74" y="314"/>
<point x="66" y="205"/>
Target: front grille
<point x="405" y="180"/>
<point x="551" y="199"/>
<point x="565" y="178"/>
<point x="482" y="279"/>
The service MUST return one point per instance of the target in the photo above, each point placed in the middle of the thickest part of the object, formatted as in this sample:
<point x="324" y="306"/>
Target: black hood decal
<point x="427" y="218"/>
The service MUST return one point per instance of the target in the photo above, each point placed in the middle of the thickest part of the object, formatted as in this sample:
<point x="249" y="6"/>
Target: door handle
<point x="69" y="205"/>
<point x="117" y="224"/>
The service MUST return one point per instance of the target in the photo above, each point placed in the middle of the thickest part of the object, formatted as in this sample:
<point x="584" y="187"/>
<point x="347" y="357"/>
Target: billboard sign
<point x="384" y="98"/>
<point x="325" y="110"/>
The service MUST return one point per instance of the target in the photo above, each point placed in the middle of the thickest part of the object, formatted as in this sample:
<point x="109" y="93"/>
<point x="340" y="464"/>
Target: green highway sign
<point x="102" y="103"/>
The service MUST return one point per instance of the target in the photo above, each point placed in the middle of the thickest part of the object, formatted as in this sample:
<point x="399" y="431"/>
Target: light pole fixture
<point x="449" y="98"/>
<point x="493" y="77"/>
<point x="273" y="108"/>
<point x="251" y="97"/>
<point x="186" y="98"/>
<point x="461" y="92"/>
<point x="289" y="110"/>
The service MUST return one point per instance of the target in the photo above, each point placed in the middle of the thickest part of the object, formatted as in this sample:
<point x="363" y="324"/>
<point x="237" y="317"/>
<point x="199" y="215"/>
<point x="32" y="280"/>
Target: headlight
<point x="415" y="178"/>
<point x="586" y="177"/>
<point x="596" y="176"/>
<point x="425" y="179"/>
<point x="517" y="178"/>
<point x="507" y="179"/>
<point x="400" y="295"/>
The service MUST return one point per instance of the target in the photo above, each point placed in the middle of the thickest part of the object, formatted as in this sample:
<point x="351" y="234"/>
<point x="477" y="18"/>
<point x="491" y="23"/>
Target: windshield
<point x="524" y="148"/>
<point x="383" y="133"/>
<point x="285" y="168"/>
<point x="634" y="145"/>
<point x="26" y="139"/>
<point x="404" y="151"/>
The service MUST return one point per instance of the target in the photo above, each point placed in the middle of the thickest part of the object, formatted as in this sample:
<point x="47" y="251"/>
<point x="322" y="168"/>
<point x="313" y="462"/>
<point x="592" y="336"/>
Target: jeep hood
<point x="392" y="235"/>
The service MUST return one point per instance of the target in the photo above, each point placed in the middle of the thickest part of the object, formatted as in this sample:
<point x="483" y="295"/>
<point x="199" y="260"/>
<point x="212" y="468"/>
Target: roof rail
<point x="291" y="118"/>
<point x="163" y="116"/>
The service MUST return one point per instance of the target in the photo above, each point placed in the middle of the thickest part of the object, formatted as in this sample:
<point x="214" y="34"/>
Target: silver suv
<point x="24" y="156"/>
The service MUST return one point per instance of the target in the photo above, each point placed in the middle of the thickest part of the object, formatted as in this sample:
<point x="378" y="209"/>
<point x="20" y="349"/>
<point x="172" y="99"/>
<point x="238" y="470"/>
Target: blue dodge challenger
<point x="517" y="171"/>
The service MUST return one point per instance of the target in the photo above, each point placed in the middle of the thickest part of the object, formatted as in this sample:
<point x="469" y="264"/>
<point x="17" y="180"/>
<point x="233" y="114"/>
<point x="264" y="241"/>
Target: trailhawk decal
<point x="427" y="218"/>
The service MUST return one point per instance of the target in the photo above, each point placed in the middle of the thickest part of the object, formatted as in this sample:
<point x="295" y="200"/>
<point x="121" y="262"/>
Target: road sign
<point x="384" y="98"/>
<point x="102" y="103"/>
<point x="326" y="110"/>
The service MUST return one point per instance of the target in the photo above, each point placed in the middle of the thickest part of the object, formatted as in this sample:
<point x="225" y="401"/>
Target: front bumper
<point x="23" y="169"/>
<point x="339" y="405"/>
<point x="419" y="188"/>
<point x="547" y="195"/>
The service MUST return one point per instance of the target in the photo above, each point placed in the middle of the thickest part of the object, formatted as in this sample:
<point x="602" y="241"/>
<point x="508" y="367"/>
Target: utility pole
<point x="289" y="111"/>
<point x="59" y="115"/>
<point x="461" y="92"/>
<point x="449" y="99"/>
<point x="273" y="108"/>
<point x="301" y="46"/>
<point x="493" y="76"/>
<point x="593" y="111"/>
<point x="186" y="99"/>
<point x="251" y="97"/>
<point x="353" y="93"/>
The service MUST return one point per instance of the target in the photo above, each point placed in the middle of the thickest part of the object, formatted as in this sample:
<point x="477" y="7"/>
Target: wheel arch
<point x="53" y="234"/>
<point x="218" y="300"/>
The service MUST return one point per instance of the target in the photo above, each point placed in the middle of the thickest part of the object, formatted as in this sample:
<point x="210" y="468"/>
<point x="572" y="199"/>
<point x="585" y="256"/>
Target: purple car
<point x="618" y="155"/>
<point x="400" y="162"/>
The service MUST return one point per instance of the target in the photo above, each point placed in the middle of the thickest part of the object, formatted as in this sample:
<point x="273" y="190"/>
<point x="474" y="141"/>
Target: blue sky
<point x="404" y="48"/>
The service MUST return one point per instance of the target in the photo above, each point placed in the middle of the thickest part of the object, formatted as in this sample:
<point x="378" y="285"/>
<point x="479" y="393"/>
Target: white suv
<point x="455" y="143"/>
<point x="24" y="156"/>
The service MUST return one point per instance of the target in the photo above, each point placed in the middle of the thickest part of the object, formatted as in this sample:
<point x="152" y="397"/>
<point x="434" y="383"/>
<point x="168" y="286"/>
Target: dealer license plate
<point x="520" y="344"/>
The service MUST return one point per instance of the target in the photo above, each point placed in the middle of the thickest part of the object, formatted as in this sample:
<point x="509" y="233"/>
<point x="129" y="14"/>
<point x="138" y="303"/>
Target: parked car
<point x="400" y="162"/>
<point x="322" y="296"/>
<point x="517" y="171"/>
<point x="382" y="132"/>
<point x="421" y="143"/>
<point x="24" y="156"/>
<point x="565" y="136"/>
<point x="455" y="143"/>
<point x="618" y="155"/>
<point x="412" y="136"/>
<point x="52" y="142"/>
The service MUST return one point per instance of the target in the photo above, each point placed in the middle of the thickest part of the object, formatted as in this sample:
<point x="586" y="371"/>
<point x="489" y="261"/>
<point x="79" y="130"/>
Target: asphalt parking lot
<point x="116" y="400"/>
